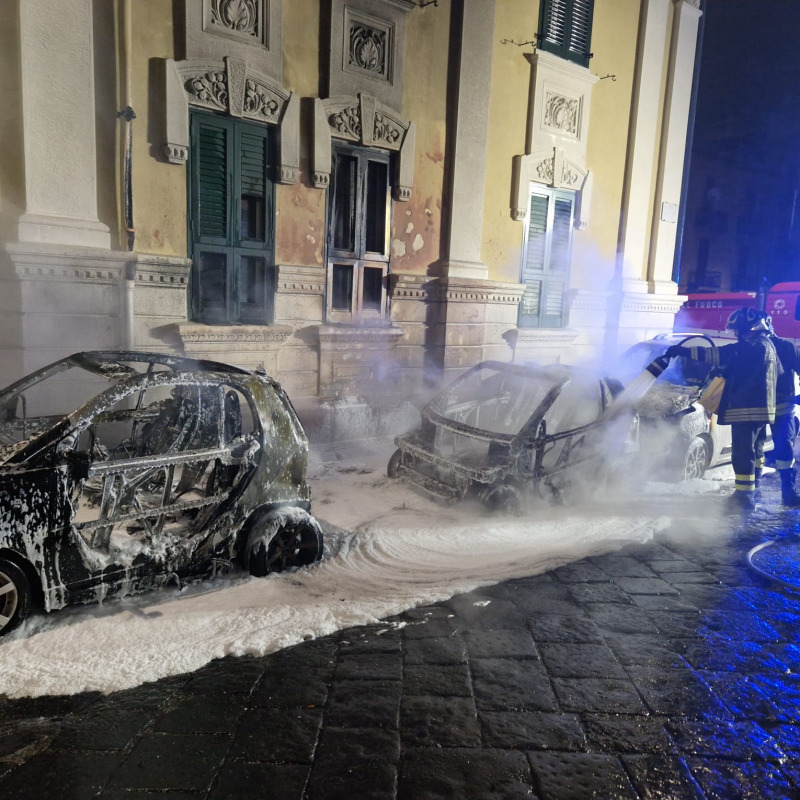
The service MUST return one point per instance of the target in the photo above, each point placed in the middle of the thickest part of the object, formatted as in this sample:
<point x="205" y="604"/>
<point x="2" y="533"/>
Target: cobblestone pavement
<point x="667" y="670"/>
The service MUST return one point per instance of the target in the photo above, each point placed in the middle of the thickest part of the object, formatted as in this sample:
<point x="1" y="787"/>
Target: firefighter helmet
<point x="746" y="320"/>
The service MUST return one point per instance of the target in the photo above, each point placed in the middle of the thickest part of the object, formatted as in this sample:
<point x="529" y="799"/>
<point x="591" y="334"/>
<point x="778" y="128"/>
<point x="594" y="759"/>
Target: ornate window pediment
<point x="365" y="121"/>
<point x="231" y="87"/>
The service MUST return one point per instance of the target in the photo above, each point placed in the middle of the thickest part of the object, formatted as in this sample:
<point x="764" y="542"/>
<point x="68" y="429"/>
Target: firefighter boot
<point x="759" y="472"/>
<point x="789" y="495"/>
<point x="740" y="502"/>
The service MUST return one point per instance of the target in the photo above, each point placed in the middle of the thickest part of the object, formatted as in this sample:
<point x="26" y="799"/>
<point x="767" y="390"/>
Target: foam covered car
<point x="508" y="434"/>
<point x="120" y="471"/>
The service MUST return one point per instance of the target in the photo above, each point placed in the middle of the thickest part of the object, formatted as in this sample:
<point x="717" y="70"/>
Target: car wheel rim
<point x="291" y="547"/>
<point x="8" y="599"/>
<point x="695" y="462"/>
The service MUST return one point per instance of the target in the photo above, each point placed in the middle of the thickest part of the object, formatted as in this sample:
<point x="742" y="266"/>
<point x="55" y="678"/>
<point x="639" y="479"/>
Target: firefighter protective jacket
<point x="789" y="358"/>
<point x="750" y="368"/>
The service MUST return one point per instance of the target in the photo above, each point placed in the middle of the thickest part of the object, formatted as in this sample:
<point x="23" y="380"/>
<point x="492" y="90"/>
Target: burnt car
<point x="509" y="434"/>
<point x="166" y="468"/>
<point x="679" y="439"/>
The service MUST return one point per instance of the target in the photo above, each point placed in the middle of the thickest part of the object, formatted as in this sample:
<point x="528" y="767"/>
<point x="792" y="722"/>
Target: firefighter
<point x="784" y="431"/>
<point x="750" y="367"/>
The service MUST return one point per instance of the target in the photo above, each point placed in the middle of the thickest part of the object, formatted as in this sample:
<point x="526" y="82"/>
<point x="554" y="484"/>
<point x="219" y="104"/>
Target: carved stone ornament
<point x="243" y="20"/>
<point x="386" y="131"/>
<point x="561" y="113"/>
<point x="210" y="89"/>
<point x="368" y="48"/>
<point x="260" y="101"/>
<point x="544" y="171"/>
<point x="570" y="177"/>
<point x="347" y="123"/>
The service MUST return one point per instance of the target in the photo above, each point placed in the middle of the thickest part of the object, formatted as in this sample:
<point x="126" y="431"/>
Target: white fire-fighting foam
<point x="387" y="549"/>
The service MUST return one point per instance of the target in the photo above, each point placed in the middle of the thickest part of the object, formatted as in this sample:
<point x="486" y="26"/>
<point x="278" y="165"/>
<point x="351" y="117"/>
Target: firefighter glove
<point x="676" y="350"/>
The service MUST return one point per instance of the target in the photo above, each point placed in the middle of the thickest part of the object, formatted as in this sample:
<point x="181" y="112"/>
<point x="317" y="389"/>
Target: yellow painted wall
<point x="159" y="188"/>
<point x="508" y="113"/>
<point x="300" y="221"/>
<point x="614" y="35"/>
<point x="417" y="224"/>
<point x="12" y="163"/>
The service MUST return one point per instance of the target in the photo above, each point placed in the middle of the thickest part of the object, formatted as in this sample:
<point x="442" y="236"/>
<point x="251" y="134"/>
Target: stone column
<point x="57" y="70"/>
<point x="468" y="160"/>
<point x="673" y="143"/>
<point x="635" y="222"/>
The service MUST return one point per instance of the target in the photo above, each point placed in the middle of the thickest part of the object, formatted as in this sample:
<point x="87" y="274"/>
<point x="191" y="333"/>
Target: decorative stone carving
<point x="347" y="123"/>
<point x="239" y="16"/>
<point x="260" y="101"/>
<point x="570" y="177"/>
<point x="386" y="131"/>
<point x="544" y="171"/>
<point x="233" y="88"/>
<point x="369" y="48"/>
<point x="561" y="113"/>
<point x="210" y="89"/>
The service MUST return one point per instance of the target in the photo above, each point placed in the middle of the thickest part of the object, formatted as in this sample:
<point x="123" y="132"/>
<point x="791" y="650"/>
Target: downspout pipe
<point x="127" y="115"/>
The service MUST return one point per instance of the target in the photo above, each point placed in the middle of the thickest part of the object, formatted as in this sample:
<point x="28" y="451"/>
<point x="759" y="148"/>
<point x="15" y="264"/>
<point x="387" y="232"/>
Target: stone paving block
<point x="318" y="654"/>
<point x="344" y="780"/>
<point x="439" y="722"/>
<point x="576" y="776"/>
<point x="696" y="576"/>
<point x="787" y="738"/>
<point x="679" y="624"/>
<point x="361" y="744"/>
<point x="730" y="779"/>
<point x="429" y="629"/>
<point x="783" y="689"/>
<point x="580" y="661"/>
<point x="464" y="774"/>
<point x="738" y="741"/>
<point x="175" y="762"/>
<point x="371" y="639"/>
<point x="532" y="730"/>
<point x="59" y="775"/>
<point x="622" y="566"/>
<point x="741" y="627"/>
<point x="599" y="695"/>
<point x="149" y="697"/>
<point x="27" y="736"/>
<point x="498" y="642"/>
<point x="620" y="619"/>
<point x="364" y="704"/>
<point x="672" y="566"/>
<point x="249" y="781"/>
<point x="284" y="689"/>
<point x="234" y="675"/>
<point x="654" y="585"/>
<point x="105" y="730"/>
<point x="742" y="697"/>
<point x="581" y="572"/>
<point x="598" y="593"/>
<point x="663" y="602"/>
<point x="626" y="733"/>
<point x="193" y="713"/>
<point x="280" y="734"/>
<point x="645" y="650"/>
<point x="563" y="628"/>
<point x="678" y="692"/>
<point x="431" y="650"/>
<point x="488" y="613"/>
<point x="445" y="680"/>
<point x="376" y="666"/>
<point x="657" y="777"/>
<point x="56" y="707"/>
<point x="512" y="684"/>
<point x="143" y="794"/>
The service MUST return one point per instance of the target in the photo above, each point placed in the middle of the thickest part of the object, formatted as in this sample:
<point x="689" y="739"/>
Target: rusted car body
<point x="173" y="467"/>
<point x="507" y="434"/>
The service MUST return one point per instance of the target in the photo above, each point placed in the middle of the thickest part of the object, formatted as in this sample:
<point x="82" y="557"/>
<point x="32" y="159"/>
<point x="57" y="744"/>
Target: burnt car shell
<point x="175" y="468"/>
<point x="493" y="435"/>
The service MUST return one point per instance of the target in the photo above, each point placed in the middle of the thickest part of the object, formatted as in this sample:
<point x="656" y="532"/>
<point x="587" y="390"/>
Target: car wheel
<point x="696" y="459"/>
<point x="282" y="540"/>
<point x="15" y="596"/>
<point x="394" y="463"/>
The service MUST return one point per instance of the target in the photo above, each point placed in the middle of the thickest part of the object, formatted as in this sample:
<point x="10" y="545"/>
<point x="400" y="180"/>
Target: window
<point x="546" y="257"/>
<point x="232" y="221"/>
<point x="565" y="28"/>
<point x="358" y="234"/>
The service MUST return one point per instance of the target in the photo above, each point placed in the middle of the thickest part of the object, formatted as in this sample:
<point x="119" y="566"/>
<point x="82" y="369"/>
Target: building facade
<point x="363" y="197"/>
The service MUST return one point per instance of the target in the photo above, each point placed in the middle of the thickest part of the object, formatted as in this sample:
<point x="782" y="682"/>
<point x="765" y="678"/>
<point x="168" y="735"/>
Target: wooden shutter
<point x="213" y="185"/>
<point x="533" y="270"/>
<point x="565" y="28"/>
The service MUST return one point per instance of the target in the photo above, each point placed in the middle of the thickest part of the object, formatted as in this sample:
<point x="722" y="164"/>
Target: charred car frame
<point x="168" y="468"/>
<point x="506" y="434"/>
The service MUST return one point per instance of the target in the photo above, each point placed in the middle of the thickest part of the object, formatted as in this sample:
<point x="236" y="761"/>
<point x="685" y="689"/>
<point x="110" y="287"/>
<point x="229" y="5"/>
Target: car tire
<point x="394" y="463"/>
<point x="696" y="459"/>
<point x="15" y="596"/>
<point x="283" y="539"/>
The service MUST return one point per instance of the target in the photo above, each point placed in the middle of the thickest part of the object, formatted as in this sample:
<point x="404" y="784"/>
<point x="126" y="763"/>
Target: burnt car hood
<point x="667" y="399"/>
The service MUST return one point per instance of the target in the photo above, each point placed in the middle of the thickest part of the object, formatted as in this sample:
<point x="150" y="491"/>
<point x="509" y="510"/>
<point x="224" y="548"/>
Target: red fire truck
<point x="708" y="313"/>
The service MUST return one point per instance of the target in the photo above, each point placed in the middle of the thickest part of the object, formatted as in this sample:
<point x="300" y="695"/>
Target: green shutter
<point x="535" y="259"/>
<point x="253" y="163"/>
<point x="565" y="28"/>
<point x="213" y="186"/>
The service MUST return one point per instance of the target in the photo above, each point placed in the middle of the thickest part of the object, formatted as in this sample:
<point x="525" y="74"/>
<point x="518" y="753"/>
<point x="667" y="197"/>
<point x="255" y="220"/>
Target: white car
<point x="679" y="439"/>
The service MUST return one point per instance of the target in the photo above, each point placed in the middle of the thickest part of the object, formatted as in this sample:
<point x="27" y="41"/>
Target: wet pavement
<point x="665" y="670"/>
